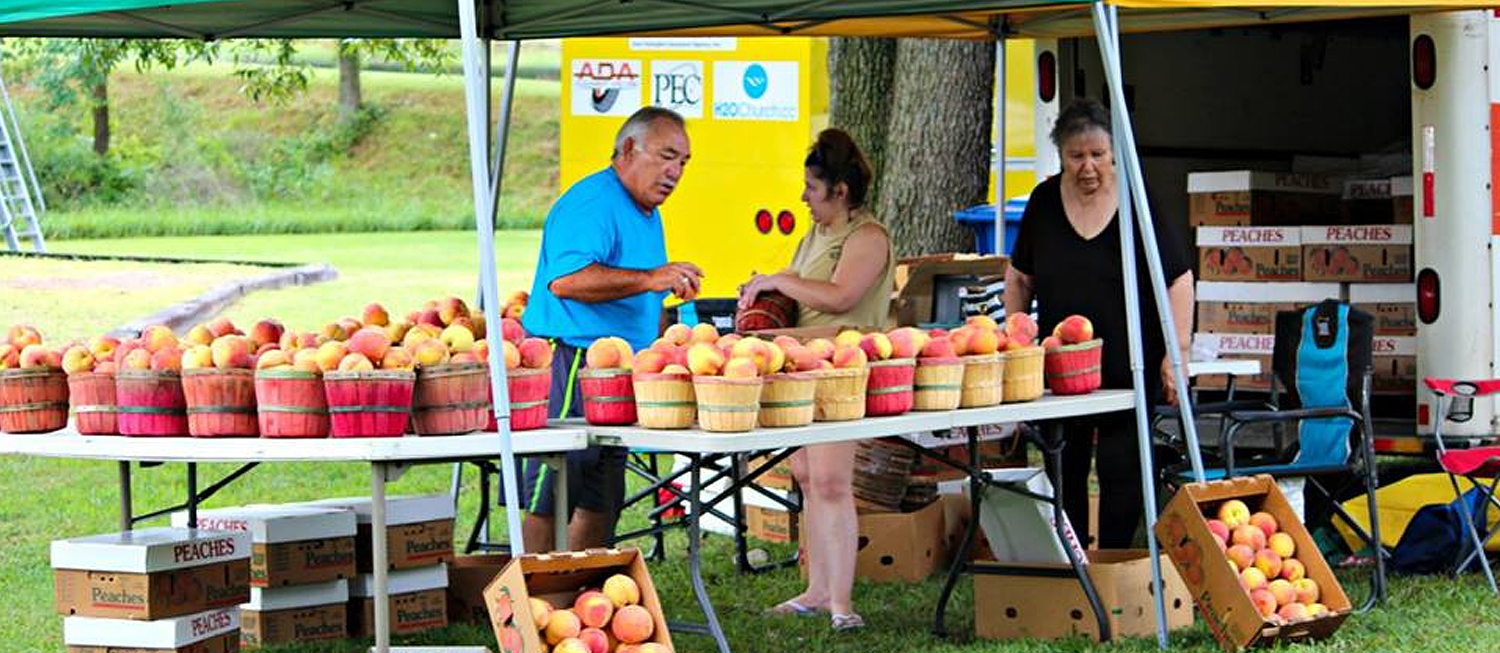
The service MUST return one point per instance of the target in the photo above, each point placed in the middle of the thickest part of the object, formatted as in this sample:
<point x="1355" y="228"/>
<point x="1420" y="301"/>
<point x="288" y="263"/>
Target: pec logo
<point x="756" y="81"/>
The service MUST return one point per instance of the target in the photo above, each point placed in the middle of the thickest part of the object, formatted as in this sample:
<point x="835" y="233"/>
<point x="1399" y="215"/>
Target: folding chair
<point x="1322" y="360"/>
<point x="1455" y="402"/>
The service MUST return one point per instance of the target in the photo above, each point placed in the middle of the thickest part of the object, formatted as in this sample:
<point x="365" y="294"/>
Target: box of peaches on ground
<point x="1253" y="569"/>
<point x="577" y="602"/>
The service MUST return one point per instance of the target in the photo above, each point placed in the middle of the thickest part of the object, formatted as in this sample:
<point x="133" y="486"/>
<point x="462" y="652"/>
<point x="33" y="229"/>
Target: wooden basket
<point x="889" y="390"/>
<point x="938" y="383"/>
<point x="33" y="400"/>
<point x="1023" y="374"/>
<point x="150" y="403"/>
<point x="92" y="396"/>
<point x="1075" y="369"/>
<point x="451" y="399"/>
<point x="220" y="403"/>
<point x="608" y="396"/>
<point x="984" y="376"/>
<point x="727" y="405"/>
<point x="787" y="400"/>
<point x="369" y="404"/>
<point x="529" y="389"/>
<point x="664" y="401"/>
<point x="840" y="395"/>
<point x="291" y="404"/>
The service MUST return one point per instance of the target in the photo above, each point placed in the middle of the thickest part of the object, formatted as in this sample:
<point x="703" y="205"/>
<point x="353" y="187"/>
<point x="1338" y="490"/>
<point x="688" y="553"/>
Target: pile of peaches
<point x="605" y="620"/>
<point x="1265" y="558"/>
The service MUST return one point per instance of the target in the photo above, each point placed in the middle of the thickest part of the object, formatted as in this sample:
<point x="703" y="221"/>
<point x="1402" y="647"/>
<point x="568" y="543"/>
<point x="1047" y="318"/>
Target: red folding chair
<point x="1455" y="402"/>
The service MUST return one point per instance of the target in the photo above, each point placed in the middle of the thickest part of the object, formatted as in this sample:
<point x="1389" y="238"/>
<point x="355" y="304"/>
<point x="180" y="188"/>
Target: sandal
<point x="851" y="621"/>
<point x="791" y="606"/>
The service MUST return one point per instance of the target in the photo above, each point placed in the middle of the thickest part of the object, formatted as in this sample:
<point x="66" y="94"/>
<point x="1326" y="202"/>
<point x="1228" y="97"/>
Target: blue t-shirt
<point x="596" y="221"/>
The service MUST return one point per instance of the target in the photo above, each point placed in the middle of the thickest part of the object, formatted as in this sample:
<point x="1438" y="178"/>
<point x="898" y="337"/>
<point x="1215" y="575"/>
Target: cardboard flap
<point x="297" y="596"/>
<point x="166" y="634"/>
<point x="275" y="524"/>
<point x="150" y="550"/>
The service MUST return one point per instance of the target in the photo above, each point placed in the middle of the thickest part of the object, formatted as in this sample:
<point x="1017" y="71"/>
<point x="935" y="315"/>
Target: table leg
<point x="560" y="512"/>
<point x="378" y="538"/>
<point x="192" y="494"/>
<point x="695" y="555"/>
<point x="961" y="557"/>
<point x="127" y="513"/>
<point x="1059" y="518"/>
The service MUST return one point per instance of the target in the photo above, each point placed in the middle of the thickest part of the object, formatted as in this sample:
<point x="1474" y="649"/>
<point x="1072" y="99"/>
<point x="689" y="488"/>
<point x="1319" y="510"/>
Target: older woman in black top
<point x="1067" y="257"/>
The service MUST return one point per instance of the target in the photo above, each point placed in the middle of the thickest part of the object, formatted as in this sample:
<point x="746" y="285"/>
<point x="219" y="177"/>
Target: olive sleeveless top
<point x="818" y="255"/>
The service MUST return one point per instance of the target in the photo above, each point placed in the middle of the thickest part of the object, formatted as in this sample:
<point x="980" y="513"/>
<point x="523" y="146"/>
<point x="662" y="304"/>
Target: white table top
<point x="1237" y="367"/>
<point x="697" y="441"/>
<point x="69" y="444"/>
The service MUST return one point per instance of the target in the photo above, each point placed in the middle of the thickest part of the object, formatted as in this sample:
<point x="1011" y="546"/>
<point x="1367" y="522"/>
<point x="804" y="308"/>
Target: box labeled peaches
<point x="290" y="545"/>
<point x="151" y="574"/>
<point x="1261" y="198"/>
<point x="419" y="529"/>
<point x="1249" y="253"/>
<point x="1253" y="570"/>
<point x="575" y="602"/>
<point x="214" y="631"/>
<point x="1379" y="253"/>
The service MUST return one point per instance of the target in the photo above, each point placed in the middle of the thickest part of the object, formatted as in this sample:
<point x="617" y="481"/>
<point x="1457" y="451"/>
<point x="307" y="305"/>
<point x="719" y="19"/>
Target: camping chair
<point x="1455" y="402"/>
<point x="1322" y="359"/>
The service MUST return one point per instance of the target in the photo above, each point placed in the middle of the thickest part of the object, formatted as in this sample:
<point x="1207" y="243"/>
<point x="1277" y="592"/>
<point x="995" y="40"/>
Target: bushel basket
<point x="33" y="400"/>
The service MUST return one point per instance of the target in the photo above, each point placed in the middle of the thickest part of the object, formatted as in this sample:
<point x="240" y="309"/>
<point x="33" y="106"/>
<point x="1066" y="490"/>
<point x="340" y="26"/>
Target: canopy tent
<point x="477" y="23"/>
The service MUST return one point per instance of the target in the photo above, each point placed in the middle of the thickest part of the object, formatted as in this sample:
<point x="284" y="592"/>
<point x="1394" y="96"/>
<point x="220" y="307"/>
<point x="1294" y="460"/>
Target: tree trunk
<point x="101" y="117"/>
<point x="861" y="74"/>
<point x="937" y="157"/>
<point x="349" y="94"/>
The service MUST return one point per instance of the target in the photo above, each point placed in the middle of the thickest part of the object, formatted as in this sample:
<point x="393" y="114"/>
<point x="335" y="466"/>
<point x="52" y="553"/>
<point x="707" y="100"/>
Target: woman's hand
<point x="1169" y="380"/>
<point x="758" y="284"/>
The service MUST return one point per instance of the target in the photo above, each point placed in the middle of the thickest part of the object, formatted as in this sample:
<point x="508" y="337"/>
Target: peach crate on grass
<point x="1075" y="369"/>
<point x="840" y="394"/>
<point x="150" y="403"/>
<point x="92" y="396"/>
<point x="220" y="402"/>
<point x="451" y="399"/>
<point x="33" y="400"/>
<point x="938" y="383"/>
<point x="889" y="389"/>
<point x="787" y="400"/>
<point x="529" y="390"/>
<point x="727" y="405"/>
<point x="608" y="396"/>
<point x="369" y="404"/>
<point x="1023" y="374"/>
<point x="984" y="381"/>
<point x="291" y="404"/>
<point x="664" y="400"/>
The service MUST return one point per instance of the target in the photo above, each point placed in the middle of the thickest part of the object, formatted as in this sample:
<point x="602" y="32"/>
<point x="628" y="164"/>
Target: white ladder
<point x="21" y="203"/>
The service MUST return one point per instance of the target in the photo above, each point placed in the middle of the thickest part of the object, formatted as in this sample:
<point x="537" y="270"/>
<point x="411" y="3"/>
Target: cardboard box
<point x="1395" y="362"/>
<point x="419" y="530"/>
<point x="1248" y="346"/>
<point x="915" y="275"/>
<point x="467" y="577"/>
<point x="290" y="545"/>
<point x="1046" y="601"/>
<point x="1211" y="579"/>
<point x="1393" y="305"/>
<point x="1248" y="307"/>
<point x="901" y="546"/>
<point x="213" y="631"/>
<point x="1362" y="253"/>
<point x="1252" y="198"/>
<point x="301" y="613"/>
<point x="778" y="477"/>
<point x="1386" y="200"/>
<point x="419" y="601"/>
<point x="956" y="516"/>
<point x="1249" y="253"/>
<point x="770" y="524"/>
<point x="151" y="574"/>
<point x="558" y="578"/>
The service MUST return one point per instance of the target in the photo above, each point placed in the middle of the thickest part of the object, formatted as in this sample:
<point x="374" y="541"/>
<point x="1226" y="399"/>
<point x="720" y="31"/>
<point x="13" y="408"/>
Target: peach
<point x="1219" y="540"/>
<point x="785" y="342"/>
<point x="778" y="359"/>
<point x="370" y="342"/>
<point x="622" y="590"/>
<point x="594" y="640"/>
<point x="704" y="332"/>
<point x="355" y="363"/>
<point x="1268" y="563"/>
<point x="1074" y="329"/>
<point x="482" y="350"/>
<point x="938" y="348"/>
<point x="633" y="624"/>
<point x="306" y="360"/>
<point x="103" y="347"/>
<point x="1293" y="612"/>
<point x="848" y="337"/>
<point x="430" y="316"/>
<point x="804" y="358"/>
<point x="594" y="609"/>
<point x="231" y="352"/>
<point x="652" y="647"/>
<point x="350" y="325"/>
<point x="104" y="367"/>
<point x="1264" y="602"/>
<point x="1282" y="544"/>
<point x="821" y="347"/>
<point x="1292" y="569"/>
<point x="907" y="342"/>
<point x="1019" y="327"/>
<point x="541" y="612"/>
<point x="308" y="340"/>
<point x="741" y="368"/>
<point x="200" y="335"/>
<point x="650" y="361"/>
<point x="1253" y="578"/>
<point x="264" y="348"/>
<point x="375" y="314"/>
<point x="571" y="645"/>
<point x="463" y="358"/>
<point x="877" y="346"/>
<point x="510" y="354"/>
<point x="725" y="343"/>
<point x="330" y="354"/>
<point x="458" y="338"/>
<point x="1282" y="589"/>
<point x="197" y="357"/>
<point x="221" y="326"/>
<point x="511" y="331"/>
<point x="536" y="353"/>
<point x="479" y="326"/>
<point x="1315" y="610"/>
<point x="78" y="359"/>
<point x="1219" y="528"/>
<point x="678" y="334"/>
<point x="561" y="625"/>
<point x="609" y="353"/>
<point x="429" y="353"/>
<point x="169" y="359"/>
<point x="1265" y="522"/>
<point x="705" y="359"/>
<point x="452" y="308"/>
<point x="10" y="358"/>
<point x="1241" y="555"/>
<point x="1250" y="536"/>
<point x="983" y="341"/>
<point x="396" y="331"/>
<point x="848" y="356"/>
<point x="960" y="339"/>
<point x="156" y="338"/>
<point x="1051" y="342"/>
<point x="335" y="331"/>
<point x="1234" y="513"/>
<point x="1307" y="590"/>
<point x="757" y="351"/>
<point x="982" y="322"/>
<point x="21" y="335"/>
<point x="267" y="330"/>
<point x="674" y="368"/>
<point x="397" y="358"/>
<point x="275" y="358"/>
<point x="415" y="335"/>
<point x="137" y="359"/>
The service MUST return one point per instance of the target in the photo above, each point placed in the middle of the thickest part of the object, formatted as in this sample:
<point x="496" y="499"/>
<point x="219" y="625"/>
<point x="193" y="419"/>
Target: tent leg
<point x="476" y="102"/>
<point x="1129" y="181"/>
<point x="999" y="166"/>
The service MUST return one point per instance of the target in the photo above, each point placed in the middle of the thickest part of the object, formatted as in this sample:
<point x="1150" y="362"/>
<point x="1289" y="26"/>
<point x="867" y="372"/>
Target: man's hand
<point x="682" y="279"/>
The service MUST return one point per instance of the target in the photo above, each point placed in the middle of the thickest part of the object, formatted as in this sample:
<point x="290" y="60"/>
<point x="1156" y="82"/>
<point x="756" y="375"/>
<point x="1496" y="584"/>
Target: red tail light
<point x="763" y="221"/>
<point x="1046" y="76"/>
<point x="1429" y="302"/>
<point x="1423" y="62"/>
<point x="786" y="222"/>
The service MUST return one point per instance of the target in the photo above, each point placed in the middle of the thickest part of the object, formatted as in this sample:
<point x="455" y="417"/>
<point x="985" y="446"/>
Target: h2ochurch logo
<point x="757" y="90"/>
<point x="605" y="87"/>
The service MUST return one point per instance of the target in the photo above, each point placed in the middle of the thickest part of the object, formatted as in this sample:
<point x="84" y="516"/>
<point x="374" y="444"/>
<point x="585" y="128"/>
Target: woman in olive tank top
<point x="842" y="273"/>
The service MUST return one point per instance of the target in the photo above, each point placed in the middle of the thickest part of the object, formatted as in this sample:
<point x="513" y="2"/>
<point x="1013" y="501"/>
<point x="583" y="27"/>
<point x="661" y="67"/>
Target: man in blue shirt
<point x="603" y="271"/>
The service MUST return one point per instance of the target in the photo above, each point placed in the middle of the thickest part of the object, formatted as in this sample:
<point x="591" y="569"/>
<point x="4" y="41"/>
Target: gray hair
<point x="640" y="122"/>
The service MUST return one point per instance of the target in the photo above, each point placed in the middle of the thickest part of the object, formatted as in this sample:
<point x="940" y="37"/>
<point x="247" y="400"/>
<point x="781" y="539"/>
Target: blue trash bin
<point x="981" y="219"/>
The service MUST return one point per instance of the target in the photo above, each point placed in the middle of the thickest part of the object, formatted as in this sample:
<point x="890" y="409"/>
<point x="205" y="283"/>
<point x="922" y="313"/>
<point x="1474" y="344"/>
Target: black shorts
<point x="596" y="475"/>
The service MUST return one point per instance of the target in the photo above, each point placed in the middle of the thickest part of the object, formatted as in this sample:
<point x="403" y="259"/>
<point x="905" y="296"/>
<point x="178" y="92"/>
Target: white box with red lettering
<point x="300" y="613"/>
<point x="1237" y="346"/>
<point x="1250" y="253"/>
<point x="151" y="574"/>
<point x="1380" y="253"/>
<point x="214" y="631"/>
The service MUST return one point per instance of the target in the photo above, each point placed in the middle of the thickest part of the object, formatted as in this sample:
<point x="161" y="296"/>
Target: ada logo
<point x="757" y="90"/>
<point x="605" y="87"/>
<point x="678" y="85"/>
<point x="755" y="81"/>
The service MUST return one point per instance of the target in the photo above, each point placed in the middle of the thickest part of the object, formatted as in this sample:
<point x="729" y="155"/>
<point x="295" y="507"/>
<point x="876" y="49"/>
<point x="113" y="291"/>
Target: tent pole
<point x="502" y="128"/>
<point x="1108" y="50"/>
<point x="999" y="167"/>
<point x="476" y="98"/>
